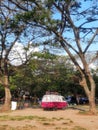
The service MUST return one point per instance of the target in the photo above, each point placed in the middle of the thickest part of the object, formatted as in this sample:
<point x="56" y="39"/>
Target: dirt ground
<point x="39" y="119"/>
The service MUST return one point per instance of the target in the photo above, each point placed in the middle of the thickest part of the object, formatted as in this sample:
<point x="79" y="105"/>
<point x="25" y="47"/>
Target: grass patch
<point x="58" y="128"/>
<point x="42" y="118"/>
<point x="26" y="127"/>
<point x="19" y="118"/>
<point x="70" y="121"/>
<point x="78" y="128"/>
<point x="54" y="118"/>
<point x="4" y="118"/>
<point x="6" y="127"/>
<point x="83" y="112"/>
<point x="47" y="123"/>
<point x="87" y="113"/>
<point x="65" y="123"/>
<point x="58" y="119"/>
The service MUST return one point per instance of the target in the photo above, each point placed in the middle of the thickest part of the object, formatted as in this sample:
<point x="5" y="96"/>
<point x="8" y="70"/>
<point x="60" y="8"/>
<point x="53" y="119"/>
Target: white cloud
<point x="18" y="54"/>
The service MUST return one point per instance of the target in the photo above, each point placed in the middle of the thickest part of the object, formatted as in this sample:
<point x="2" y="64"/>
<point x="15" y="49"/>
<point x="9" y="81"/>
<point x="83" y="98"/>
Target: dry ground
<point x="38" y="119"/>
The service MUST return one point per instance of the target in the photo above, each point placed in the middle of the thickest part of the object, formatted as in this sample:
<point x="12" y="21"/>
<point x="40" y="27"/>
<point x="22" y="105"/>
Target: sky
<point x="18" y="54"/>
<point x="86" y="5"/>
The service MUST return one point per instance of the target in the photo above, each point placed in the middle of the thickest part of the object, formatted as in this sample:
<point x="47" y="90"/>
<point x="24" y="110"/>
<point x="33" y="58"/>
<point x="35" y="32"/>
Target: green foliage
<point x="42" y="74"/>
<point x="45" y="55"/>
<point x="35" y="15"/>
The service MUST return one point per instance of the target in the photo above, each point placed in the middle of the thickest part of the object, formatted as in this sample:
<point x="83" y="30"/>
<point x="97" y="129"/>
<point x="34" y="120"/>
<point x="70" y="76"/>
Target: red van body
<point x="53" y="102"/>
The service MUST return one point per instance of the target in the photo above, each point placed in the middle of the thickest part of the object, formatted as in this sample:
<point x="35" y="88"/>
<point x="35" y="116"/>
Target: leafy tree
<point x="47" y="72"/>
<point x="10" y="33"/>
<point x="71" y="24"/>
<point x="6" y="32"/>
<point x="35" y="75"/>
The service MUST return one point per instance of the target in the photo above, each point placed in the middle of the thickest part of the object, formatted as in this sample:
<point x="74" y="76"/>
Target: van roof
<point x="52" y="98"/>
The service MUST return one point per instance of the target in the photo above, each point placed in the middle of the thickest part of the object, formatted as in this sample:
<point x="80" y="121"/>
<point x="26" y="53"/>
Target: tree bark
<point x="92" y="103"/>
<point x="92" y="106"/>
<point x="7" y="102"/>
<point x="90" y="94"/>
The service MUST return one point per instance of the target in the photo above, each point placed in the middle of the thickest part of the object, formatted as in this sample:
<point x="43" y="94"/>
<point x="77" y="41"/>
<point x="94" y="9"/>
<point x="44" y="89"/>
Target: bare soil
<point x="39" y="119"/>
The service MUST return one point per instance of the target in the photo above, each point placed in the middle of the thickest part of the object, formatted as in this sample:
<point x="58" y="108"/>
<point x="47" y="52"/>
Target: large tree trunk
<point x="91" y="97"/>
<point x="90" y="92"/>
<point x="7" y="103"/>
<point x="92" y="108"/>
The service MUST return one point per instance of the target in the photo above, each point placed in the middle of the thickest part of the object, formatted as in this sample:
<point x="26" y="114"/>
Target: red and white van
<point x="53" y="102"/>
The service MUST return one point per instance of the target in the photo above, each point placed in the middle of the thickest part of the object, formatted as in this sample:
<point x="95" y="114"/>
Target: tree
<point x="10" y="33"/>
<point x="71" y="25"/>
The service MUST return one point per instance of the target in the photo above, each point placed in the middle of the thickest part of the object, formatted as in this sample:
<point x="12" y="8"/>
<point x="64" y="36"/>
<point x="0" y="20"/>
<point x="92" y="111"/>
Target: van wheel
<point x="64" y="108"/>
<point x="45" y="109"/>
<point x="54" y="109"/>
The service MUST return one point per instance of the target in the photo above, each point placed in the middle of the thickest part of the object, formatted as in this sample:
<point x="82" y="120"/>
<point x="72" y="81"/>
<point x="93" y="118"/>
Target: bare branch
<point x="90" y="42"/>
<point x="88" y="21"/>
<point x="18" y="5"/>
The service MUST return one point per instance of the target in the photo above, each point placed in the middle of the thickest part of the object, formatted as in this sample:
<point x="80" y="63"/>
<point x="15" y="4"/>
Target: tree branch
<point x="89" y="21"/>
<point x="90" y="42"/>
<point x="18" y="5"/>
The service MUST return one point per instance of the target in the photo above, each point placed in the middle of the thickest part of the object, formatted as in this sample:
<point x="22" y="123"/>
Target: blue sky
<point x="86" y="5"/>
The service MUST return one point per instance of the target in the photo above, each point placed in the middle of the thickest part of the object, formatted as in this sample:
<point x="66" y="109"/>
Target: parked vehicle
<point x="53" y="102"/>
<point x="72" y="100"/>
<point x="83" y="100"/>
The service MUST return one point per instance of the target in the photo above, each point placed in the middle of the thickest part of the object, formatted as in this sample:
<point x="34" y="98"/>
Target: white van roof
<point x="52" y="98"/>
